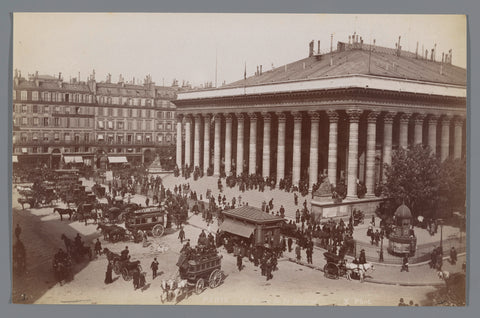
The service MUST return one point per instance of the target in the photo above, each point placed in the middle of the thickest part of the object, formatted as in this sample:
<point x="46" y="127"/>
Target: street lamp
<point x="381" y="250"/>
<point x="441" y="235"/>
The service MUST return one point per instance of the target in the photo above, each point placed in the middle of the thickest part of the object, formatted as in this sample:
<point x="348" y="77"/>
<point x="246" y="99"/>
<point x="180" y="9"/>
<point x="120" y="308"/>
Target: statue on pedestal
<point x="324" y="191"/>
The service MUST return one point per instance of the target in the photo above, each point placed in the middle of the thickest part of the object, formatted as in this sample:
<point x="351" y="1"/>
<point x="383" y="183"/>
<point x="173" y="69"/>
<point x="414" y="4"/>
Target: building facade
<point x="57" y="122"/>
<point x="340" y="114"/>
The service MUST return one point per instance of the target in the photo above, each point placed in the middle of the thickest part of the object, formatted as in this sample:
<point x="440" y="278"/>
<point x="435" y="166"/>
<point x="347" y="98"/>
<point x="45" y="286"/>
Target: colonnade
<point x="201" y="158"/>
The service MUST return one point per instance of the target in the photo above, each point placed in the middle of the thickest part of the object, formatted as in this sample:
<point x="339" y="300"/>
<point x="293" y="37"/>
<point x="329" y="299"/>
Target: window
<point x="100" y="137"/>
<point x="110" y="112"/>
<point x="148" y="125"/>
<point x="66" y="136"/>
<point x="129" y="139"/>
<point x="23" y="137"/>
<point x="45" y="136"/>
<point x="45" y="121"/>
<point x="169" y="115"/>
<point x="129" y="125"/>
<point x="143" y="113"/>
<point x="110" y="124"/>
<point x="34" y="149"/>
<point x="24" y="108"/>
<point x="139" y="138"/>
<point x="35" y="121"/>
<point x="120" y="125"/>
<point x="100" y="124"/>
<point x="169" y="138"/>
<point x="159" y="126"/>
<point x="35" y="137"/>
<point x="56" y="97"/>
<point x="56" y="122"/>
<point x="130" y="113"/>
<point x="24" y="121"/>
<point x="148" y="113"/>
<point x="56" y="136"/>
<point x="76" y="138"/>
<point x="160" y="138"/>
<point x="57" y="110"/>
<point x="169" y="126"/>
<point x="86" y="137"/>
<point x="46" y="96"/>
<point x="159" y="115"/>
<point x="23" y="95"/>
<point x="14" y="95"/>
<point x="45" y="109"/>
<point x="78" y="110"/>
<point x="45" y="149"/>
<point x="35" y="96"/>
<point x="67" y="97"/>
<point x="148" y="138"/>
<point x="67" y="110"/>
<point x="100" y="111"/>
<point x="34" y="109"/>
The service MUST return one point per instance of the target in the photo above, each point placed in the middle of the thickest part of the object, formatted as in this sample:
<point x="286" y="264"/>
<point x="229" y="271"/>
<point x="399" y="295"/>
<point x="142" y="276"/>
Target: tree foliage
<point x="413" y="179"/>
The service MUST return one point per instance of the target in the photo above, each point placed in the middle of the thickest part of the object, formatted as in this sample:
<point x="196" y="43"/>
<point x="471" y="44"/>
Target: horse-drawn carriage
<point x="62" y="268"/>
<point x="76" y="250"/>
<point x="123" y="267"/>
<point x="335" y="267"/>
<point x="153" y="220"/>
<point x="358" y="217"/>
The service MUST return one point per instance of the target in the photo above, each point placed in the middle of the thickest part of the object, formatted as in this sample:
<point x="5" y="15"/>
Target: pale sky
<point x="185" y="46"/>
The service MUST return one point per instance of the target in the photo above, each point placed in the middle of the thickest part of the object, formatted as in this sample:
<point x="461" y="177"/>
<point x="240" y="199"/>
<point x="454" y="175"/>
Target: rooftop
<point x="359" y="58"/>
<point x="252" y="214"/>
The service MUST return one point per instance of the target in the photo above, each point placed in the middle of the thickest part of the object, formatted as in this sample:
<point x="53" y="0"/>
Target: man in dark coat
<point x="453" y="255"/>
<point x="181" y="235"/>
<point x="362" y="259"/>
<point x="239" y="262"/>
<point x="154" y="267"/>
<point x="290" y="242"/>
<point x="18" y="231"/>
<point x="124" y="253"/>
<point x="98" y="247"/>
<point x="404" y="264"/>
<point x="136" y="279"/>
<point x="108" y="273"/>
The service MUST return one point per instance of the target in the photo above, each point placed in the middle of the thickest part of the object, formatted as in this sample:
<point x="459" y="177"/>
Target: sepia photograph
<point x="247" y="159"/>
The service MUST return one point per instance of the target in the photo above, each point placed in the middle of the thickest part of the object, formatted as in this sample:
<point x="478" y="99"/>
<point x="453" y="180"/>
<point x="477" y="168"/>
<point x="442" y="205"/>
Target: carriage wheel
<point x="199" y="286"/>
<point x="116" y="267"/>
<point x="158" y="230"/>
<point x="215" y="278"/>
<point x="126" y="275"/>
<point x="330" y="270"/>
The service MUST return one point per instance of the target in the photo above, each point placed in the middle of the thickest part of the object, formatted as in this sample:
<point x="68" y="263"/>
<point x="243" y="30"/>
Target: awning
<point x="237" y="228"/>
<point x="73" y="159"/>
<point x="117" y="159"/>
<point x="14" y="159"/>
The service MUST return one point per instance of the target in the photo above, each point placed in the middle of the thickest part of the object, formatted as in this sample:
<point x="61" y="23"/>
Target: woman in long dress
<point x="108" y="273"/>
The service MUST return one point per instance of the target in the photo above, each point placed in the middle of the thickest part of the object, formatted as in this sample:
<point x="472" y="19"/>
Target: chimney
<point x="431" y="55"/>
<point x="349" y="39"/>
<point x="310" y="49"/>
<point x="258" y="71"/>
<point x="261" y="70"/>
<point x="331" y="43"/>
<point x="60" y="75"/>
<point x="374" y="41"/>
<point x="443" y="57"/>
<point x="318" y="52"/>
<point x="426" y="54"/>
<point x="416" y="51"/>
<point x="450" y="57"/>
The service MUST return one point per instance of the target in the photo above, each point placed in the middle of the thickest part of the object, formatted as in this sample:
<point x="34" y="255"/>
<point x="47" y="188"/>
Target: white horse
<point x="172" y="289"/>
<point x="359" y="269"/>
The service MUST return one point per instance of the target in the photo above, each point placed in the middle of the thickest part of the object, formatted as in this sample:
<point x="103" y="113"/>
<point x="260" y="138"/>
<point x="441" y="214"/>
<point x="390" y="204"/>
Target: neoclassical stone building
<point x="340" y="114"/>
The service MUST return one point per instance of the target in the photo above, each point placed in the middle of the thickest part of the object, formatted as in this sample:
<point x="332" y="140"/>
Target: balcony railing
<point x="106" y="143"/>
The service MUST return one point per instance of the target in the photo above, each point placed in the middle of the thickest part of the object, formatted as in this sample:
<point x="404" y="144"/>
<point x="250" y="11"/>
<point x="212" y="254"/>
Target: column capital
<point x="266" y="116"/>
<point x="281" y="116"/>
<point x="188" y="118"/>
<point x="405" y="118"/>
<point x="314" y="116"/>
<point x="419" y="117"/>
<point x="388" y="117"/>
<point x="179" y="117"/>
<point x="446" y="119"/>
<point x="458" y="120"/>
<point x="333" y="116"/>
<point x="217" y="116"/>
<point x="252" y="116"/>
<point x="297" y="116"/>
<point x="354" y="115"/>
<point x="433" y="119"/>
<point x="240" y="116"/>
<point x="228" y="117"/>
<point x="197" y="116"/>
<point x="207" y="116"/>
<point x="372" y="116"/>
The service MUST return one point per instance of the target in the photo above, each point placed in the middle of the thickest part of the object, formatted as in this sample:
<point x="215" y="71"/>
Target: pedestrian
<point x="154" y="267"/>
<point x="297" y="216"/>
<point x="239" y="262"/>
<point x="373" y="220"/>
<point x="298" y="252"/>
<point x="108" y="273"/>
<point x="404" y="264"/>
<point x="290" y="242"/>
<point x="269" y="267"/>
<point x="181" y="235"/>
<point x="136" y="279"/>
<point x="18" y="231"/>
<point x="145" y="239"/>
<point x="295" y="199"/>
<point x="147" y="201"/>
<point x="402" y="303"/>
<point x="98" y="247"/>
<point x="453" y="255"/>
<point x="124" y="254"/>
<point x="362" y="259"/>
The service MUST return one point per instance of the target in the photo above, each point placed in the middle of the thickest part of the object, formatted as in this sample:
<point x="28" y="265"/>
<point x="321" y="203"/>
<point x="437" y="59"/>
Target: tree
<point x="453" y="185"/>
<point x="413" y="179"/>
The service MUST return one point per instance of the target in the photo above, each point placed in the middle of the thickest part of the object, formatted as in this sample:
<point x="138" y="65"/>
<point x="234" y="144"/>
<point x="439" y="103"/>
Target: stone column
<point x="179" y="141"/>
<point x="188" y="140"/>
<point x="354" y="118"/>
<point x="371" y="143"/>
<point x="240" y="131"/>
<point x="216" y="146"/>
<point x="266" y="144"/>
<point x="387" y="139"/>
<point x="281" y="146"/>
<point x="228" y="144"/>
<point x="252" y="162"/>
<point x="445" y="145"/>
<point x="332" y="146"/>
<point x="418" y="135"/>
<point x="196" y="141"/>
<point x="313" y="162"/>
<point x="404" y="119"/>
<point x="457" y="147"/>
<point x="206" y="143"/>
<point x="432" y="133"/>
<point x="297" y="147"/>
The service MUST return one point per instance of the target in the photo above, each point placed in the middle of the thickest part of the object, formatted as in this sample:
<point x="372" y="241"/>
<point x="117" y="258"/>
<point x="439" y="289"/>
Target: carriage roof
<point x="332" y="258"/>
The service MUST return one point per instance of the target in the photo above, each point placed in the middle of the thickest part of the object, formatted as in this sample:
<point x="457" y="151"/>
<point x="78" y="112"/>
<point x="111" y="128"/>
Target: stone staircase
<point x="253" y="197"/>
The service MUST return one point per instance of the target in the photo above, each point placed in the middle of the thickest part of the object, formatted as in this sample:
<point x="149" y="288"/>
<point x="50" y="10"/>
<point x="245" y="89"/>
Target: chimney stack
<point x="349" y="39"/>
<point x="443" y="57"/>
<point x="310" y="49"/>
<point x="331" y="43"/>
<point x="434" y="52"/>
<point x="318" y="52"/>
<point x="60" y="75"/>
<point x="416" y="51"/>
<point x="260" y="69"/>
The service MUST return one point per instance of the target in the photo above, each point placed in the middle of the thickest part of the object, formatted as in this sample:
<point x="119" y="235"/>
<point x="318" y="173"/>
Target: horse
<point x="64" y="211"/>
<point x="30" y="201"/>
<point x="112" y="232"/>
<point x="359" y="269"/>
<point x="172" y="289"/>
<point x="69" y="245"/>
<point x="105" y="229"/>
<point x="76" y="252"/>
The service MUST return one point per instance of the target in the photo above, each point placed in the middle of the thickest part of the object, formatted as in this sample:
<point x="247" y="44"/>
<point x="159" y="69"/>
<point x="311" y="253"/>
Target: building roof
<point x="366" y="60"/>
<point x="252" y="214"/>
